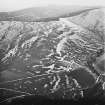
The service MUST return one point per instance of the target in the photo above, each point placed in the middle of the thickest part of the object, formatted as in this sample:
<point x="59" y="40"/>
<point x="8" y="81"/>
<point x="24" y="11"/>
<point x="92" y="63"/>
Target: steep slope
<point x="92" y="20"/>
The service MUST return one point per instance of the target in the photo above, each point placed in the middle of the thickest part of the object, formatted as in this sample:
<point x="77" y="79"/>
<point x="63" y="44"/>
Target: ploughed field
<point x="55" y="59"/>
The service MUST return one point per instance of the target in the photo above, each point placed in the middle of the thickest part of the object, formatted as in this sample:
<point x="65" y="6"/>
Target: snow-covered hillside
<point x="52" y="58"/>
